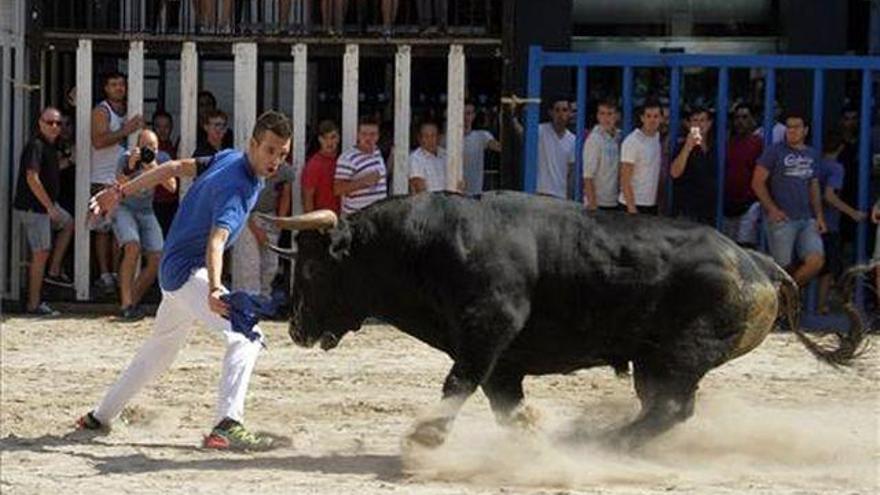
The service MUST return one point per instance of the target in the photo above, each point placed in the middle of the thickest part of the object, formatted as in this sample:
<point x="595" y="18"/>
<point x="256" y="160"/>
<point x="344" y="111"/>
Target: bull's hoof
<point x="428" y="434"/>
<point x="526" y="419"/>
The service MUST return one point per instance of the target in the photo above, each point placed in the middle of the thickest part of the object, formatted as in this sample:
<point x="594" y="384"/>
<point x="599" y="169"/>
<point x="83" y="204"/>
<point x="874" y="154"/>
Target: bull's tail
<point x="849" y="345"/>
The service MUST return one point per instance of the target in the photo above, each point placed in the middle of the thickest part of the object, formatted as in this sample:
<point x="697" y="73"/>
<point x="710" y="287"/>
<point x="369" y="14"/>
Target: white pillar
<point x="189" y="108"/>
<point x="20" y="125"/>
<point x="349" y="95"/>
<point x="7" y="264"/>
<point x="402" y="114"/>
<point x="455" y="117"/>
<point x="245" y="104"/>
<point x="81" y="244"/>
<point x="135" y="85"/>
<point x="300" y="77"/>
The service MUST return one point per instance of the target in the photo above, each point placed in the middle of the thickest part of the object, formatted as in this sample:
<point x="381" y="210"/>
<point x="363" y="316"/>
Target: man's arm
<point x="343" y="187"/>
<point x="759" y="186"/>
<point x="591" y="165"/>
<point x="680" y="162"/>
<point x="36" y="185"/>
<point x="834" y="200"/>
<point x="102" y="136"/>
<point x="285" y="201"/>
<point x="417" y="185"/>
<point x="308" y="198"/>
<point x="816" y="203"/>
<point x="106" y="200"/>
<point x="214" y="264"/>
<point x="494" y="145"/>
<point x="629" y="197"/>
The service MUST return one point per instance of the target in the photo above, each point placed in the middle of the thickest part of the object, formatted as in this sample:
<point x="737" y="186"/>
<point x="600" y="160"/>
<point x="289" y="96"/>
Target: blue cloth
<point x="831" y="174"/>
<point x="222" y="197"/>
<point x="791" y="171"/>
<point x="246" y="310"/>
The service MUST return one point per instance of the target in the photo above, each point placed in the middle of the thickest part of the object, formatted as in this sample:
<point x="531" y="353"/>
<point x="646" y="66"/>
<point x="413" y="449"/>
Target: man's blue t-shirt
<point x="223" y="196"/>
<point x="791" y="171"/>
<point x="831" y="174"/>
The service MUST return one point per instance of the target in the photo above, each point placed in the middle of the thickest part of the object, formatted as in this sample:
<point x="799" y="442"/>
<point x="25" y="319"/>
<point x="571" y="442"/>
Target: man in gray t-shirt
<point x="136" y="227"/>
<point x="253" y="264"/>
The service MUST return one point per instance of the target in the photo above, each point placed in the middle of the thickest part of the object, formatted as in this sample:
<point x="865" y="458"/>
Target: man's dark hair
<point x="367" y="120"/>
<point x="112" y="74"/>
<point x="796" y="114"/>
<point x="326" y="127"/>
<point x="650" y="103"/>
<point x="743" y="105"/>
<point x="426" y="123"/>
<point x="207" y="94"/>
<point x="849" y="108"/>
<point x="275" y="122"/>
<point x="697" y="109"/>
<point x="607" y="103"/>
<point x="160" y="114"/>
<point x="214" y="114"/>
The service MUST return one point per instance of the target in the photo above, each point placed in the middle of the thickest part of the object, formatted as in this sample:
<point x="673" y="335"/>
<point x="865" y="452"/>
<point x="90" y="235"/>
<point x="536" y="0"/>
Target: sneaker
<point x="106" y="284"/>
<point x="91" y="423"/>
<point x="232" y="435"/>
<point x="60" y="280"/>
<point x="44" y="310"/>
<point x="131" y="314"/>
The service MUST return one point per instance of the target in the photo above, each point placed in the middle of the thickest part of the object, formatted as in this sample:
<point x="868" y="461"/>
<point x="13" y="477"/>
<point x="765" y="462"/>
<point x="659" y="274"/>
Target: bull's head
<point x="321" y="311"/>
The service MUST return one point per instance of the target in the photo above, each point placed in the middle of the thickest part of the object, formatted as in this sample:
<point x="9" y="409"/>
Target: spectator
<point x="208" y="20"/>
<point x="695" y="171"/>
<point x="427" y="164"/>
<point x="476" y="142"/>
<point x="303" y="20"/>
<point x="110" y="130"/>
<point x="791" y="169"/>
<point x="214" y="127"/>
<point x="333" y="16"/>
<point x="602" y="159"/>
<point x="254" y="265"/>
<point x="165" y="201"/>
<point x="207" y="104"/>
<point x="831" y="181"/>
<point x="136" y="226"/>
<point x="640" y="163"/>
<point x="778" y="131"/>
<point x="360" y="178"/>
<point x="66" y="163"/>
<point x="555" y="151"/>
<point x="317" y="177"/>
<point x="433" y="15"/>
<point x="743" y="150"/>
<point x="848" y="130"/>
<point x="36" y="202"/>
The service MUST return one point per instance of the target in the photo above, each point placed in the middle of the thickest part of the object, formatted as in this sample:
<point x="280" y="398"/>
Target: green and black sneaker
<point x="232" y="435"/>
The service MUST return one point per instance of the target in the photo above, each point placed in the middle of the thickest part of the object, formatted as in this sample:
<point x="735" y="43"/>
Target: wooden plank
<point x="81" y="243"/>
<point x="135" y="85"/>
<point x="455" y="117"/>
<point x="189" y="90"/>
<point x="402" y="117"/>
<point x="299" y="113"/>
<point x="245" y="102"/>
<point x="349" y="95"/>
<point x="6" y="162"/>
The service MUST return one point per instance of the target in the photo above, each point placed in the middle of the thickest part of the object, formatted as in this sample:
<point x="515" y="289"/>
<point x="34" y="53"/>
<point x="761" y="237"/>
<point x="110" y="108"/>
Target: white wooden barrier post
<point x="349" y="96"/>
<point x="20" y="122"/>
<point x="7" y="264"/>
<point x="189" y="89"/>
<point x="402" y="115"/>
<point x="135" y="85"/>
<point x="455" y="117"/>
<point x="81" y="244"/>
<point x="300" y="76"/>
<point x="245" y="104"/>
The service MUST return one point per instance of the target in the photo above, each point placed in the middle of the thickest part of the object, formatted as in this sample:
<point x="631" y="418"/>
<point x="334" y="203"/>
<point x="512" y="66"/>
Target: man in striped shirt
<point x="360" y="178"/>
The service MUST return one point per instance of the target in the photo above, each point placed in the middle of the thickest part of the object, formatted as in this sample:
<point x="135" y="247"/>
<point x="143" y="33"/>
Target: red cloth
<point x="318" y="175"/>
<point x="742" y="153"/>
<point x="162" y="195"/>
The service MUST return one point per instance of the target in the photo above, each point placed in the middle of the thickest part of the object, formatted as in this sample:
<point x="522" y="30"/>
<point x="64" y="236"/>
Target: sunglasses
<point x="53" y="123"/>
<point x="217" y="125"/>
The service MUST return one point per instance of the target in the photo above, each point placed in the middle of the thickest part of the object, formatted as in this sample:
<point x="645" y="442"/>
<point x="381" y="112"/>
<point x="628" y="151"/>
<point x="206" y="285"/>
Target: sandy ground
<point x="774" y="422"/>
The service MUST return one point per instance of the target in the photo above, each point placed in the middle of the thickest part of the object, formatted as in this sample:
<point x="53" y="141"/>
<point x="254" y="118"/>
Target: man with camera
<point x="136" y="227"/>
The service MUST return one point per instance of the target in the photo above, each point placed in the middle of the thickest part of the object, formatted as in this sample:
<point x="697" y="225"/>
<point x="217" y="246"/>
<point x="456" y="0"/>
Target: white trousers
<point x="254" y="267"/>
<point x="178" y="310"/>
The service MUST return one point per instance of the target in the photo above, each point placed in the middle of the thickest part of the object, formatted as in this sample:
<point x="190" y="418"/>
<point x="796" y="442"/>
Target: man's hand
<point x="369" y="180"/>
<point x="134" y="156"/>
<point x="55" y="214"/>
<point x="820" y="226"/>
<point x="105" y="201"/>
<point x="133" y="124"/>
<point x="776" y="215"/>
<point x="216" y="304"/>
<point x="259" y="234"/>
<point x="859" y="216"/>
<point x="875" y="215"/>
<point x="590" y="206"/>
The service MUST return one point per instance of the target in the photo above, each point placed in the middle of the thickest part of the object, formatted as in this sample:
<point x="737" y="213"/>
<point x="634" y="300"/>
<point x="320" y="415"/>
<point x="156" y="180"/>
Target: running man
<point x="209" y="220"/>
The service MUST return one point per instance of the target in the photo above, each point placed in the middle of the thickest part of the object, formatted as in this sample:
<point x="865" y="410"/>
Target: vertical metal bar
<point x="6" y="164"/>
<point x="580" y="127"/>
<point x="818" y="107"/>
<point x="349" y="95"/>
<point x="189" y="87"/>
<point x="864" y="173"/>
<point x="769" y="105"/>
<point x="721" y="143"/>
<point x="402" y="116"/>
<point x="21" y="119"/>
<point x="300" y="108"/>
<point x="674" y="119"/>
<point x="245" y="102"/>
<point x="455" y="117"/>
<point x="627" y="93"/>
<point x="135" y="84"/>
<point x="83" y="158"/>
<point x="530" y="167"/>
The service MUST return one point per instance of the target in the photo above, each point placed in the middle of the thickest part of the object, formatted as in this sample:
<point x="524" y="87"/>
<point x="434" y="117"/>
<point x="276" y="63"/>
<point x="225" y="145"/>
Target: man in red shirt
<point x="743" y="150"/>
<point x="165" y="202"/>
<point x="317" y="177"/>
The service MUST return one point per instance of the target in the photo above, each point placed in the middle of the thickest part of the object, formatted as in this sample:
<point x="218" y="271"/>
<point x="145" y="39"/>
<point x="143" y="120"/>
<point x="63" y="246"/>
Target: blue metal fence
<point x="819" y="64"/>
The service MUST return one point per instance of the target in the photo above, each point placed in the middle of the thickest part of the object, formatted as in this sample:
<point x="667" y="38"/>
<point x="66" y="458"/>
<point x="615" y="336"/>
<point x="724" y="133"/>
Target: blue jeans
<point x="139" y="226"/>
<point x="784" y="238"/>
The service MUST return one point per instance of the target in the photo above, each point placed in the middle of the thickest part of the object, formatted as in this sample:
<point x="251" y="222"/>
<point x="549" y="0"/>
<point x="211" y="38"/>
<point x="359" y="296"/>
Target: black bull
<point x="512" y="285"/>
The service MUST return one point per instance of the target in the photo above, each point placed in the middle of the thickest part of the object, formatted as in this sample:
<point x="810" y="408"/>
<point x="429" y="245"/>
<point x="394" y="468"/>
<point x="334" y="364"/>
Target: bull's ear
<point x="284" y="253"/>
<point x="340" y="242"/>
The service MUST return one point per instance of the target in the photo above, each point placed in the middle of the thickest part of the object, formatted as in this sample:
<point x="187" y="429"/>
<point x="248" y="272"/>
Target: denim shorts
<point x="38" y="227"/>
<point x="784" y="238"/>
<point x="140" y="226"/>
<point x="103" y="224"/>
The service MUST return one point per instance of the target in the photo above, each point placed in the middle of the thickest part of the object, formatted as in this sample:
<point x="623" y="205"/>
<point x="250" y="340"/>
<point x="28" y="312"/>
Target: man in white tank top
<point x="110" y="131"/>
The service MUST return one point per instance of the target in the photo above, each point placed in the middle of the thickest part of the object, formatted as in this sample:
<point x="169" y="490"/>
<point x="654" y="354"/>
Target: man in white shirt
<point x="556" y="151"/>
<point x="602" y="160"/>
<point x="476" y="142"/>
<point x="640" y="163"/>
<point x="427" y="164"/>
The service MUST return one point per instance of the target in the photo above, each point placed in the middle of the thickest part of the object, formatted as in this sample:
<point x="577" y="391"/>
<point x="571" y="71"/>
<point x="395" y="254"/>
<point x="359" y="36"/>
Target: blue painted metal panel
<point x="696" y="60"/>
<point x="530" y="170"/>
<point x="579" y="138"/>
<point x="769" y="106"/>
<point x="627" y="93"/>
<point x="818" y="93"/>
<point x="674" y="125"/>
<point x="721" y="142"/>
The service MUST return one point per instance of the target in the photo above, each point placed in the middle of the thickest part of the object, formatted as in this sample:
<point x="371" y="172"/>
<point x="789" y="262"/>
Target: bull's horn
<point x="284" y="253"/>
<point x="313" y="220"/>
